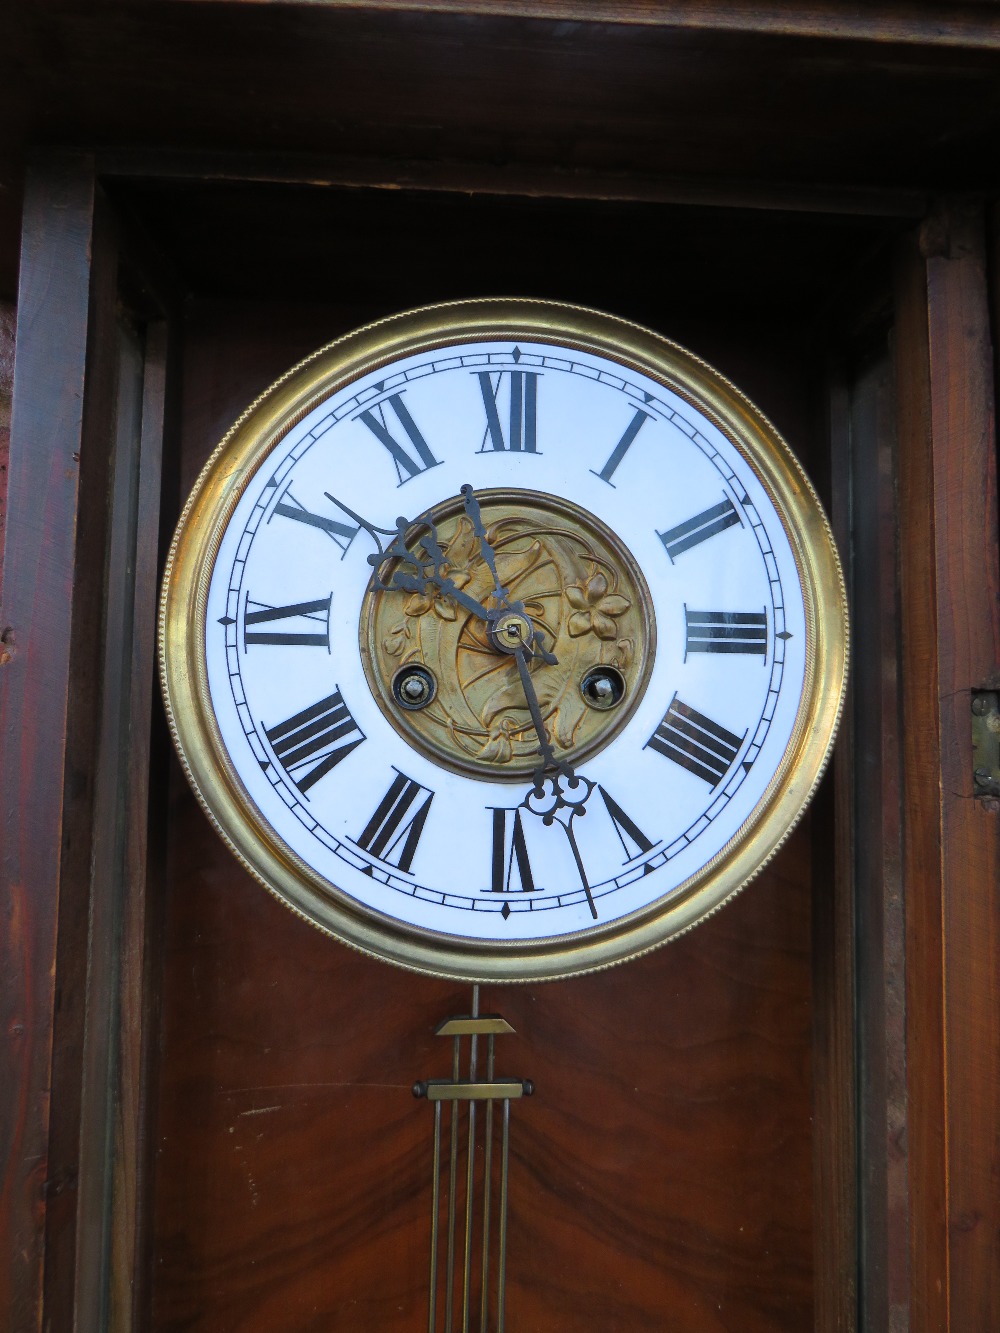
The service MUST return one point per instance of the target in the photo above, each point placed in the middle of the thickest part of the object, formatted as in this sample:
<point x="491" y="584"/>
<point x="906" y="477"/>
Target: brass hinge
<point x="986" y="742"/>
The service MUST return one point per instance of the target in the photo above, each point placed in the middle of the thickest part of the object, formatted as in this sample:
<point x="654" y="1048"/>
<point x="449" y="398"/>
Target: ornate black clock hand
<point x="397" y="549"/>
<point x="547" y="803"/>
<point x="504" y="605"/>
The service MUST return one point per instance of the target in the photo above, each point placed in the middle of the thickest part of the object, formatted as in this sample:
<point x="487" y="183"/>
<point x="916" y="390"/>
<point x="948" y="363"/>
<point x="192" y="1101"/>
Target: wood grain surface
<point x="950" y="624"/>
<point x="661" y="1175"/>
<point x="887" y="96"/>
<point x="44" y="795"/>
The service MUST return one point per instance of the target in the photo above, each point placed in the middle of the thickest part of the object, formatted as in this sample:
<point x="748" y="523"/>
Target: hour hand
<point x="426" y="572"/>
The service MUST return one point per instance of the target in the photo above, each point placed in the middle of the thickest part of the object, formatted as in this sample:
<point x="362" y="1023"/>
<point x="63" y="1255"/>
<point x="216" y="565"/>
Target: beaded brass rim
<point x="224" y="797"/>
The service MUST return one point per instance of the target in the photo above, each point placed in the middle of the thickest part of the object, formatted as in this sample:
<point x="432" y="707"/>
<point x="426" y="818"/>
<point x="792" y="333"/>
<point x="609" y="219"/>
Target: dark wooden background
<point x="788" y="1119"/>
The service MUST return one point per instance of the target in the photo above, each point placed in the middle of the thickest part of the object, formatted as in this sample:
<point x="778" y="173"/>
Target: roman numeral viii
<point x="394" y="829"/>
<point x="410" y="457"/>
<point x="695" y="742"/>
<point x="300" y="624"/>
<point x="522" y="417"/>
<point x="311" y="743"/>
<point x="742" y="632"/>
<point x="698" y="529"/>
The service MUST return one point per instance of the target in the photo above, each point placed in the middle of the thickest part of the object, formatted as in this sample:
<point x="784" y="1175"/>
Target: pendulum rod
<point x="470" y="1090"/>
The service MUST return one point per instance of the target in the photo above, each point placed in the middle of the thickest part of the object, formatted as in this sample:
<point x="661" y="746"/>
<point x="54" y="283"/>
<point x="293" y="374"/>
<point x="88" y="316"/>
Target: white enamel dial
<point x="384" y="829"/>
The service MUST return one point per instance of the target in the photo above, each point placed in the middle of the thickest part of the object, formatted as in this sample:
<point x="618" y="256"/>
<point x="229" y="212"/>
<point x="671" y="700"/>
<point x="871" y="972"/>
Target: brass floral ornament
<point x="581" y="589"/>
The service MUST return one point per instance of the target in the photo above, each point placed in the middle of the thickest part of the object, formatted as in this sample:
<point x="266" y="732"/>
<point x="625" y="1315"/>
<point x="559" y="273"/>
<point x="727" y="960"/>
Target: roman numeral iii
<point x="743" y="632"/>
<point x="311" y="743"/>
<point x="698" y="529"/>
<point x="302" y="624"/>
<point x="522" y="416"/>
<point x="410" y="458"/>
<point x="394" y="829"/>
<point x="694" y="741"/>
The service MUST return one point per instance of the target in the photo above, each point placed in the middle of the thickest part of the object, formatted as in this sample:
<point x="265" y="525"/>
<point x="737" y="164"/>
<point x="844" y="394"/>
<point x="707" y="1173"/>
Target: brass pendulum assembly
<point x="458" y="1092"/>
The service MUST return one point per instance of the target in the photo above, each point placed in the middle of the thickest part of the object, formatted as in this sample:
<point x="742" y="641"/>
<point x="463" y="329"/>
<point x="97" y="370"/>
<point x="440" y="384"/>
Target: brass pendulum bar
<point x="435" y="1214"/>
<point x="472" y="1089"/>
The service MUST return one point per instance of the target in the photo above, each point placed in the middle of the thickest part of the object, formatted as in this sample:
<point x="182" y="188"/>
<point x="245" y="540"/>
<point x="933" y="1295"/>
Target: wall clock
<point x="503" y="640"/>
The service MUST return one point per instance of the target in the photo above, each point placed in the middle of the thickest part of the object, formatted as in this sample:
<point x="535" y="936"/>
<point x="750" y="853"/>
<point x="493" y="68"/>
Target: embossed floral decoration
<point x="595" y="609"/>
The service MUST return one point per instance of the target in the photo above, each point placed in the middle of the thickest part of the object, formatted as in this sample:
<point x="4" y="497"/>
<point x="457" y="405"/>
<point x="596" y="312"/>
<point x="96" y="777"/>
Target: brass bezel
<point x="182" y="640"/>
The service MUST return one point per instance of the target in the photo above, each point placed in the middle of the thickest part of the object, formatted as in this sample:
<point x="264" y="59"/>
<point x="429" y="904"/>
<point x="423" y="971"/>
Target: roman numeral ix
<point x="694" y="741"/>
<point x="377" y="420"/>
<point x="311" y="743"/>
<point x="394" y="829"/>
<point x="698" y="529"/>
<point x="742" y="632"/>
<point x="306" y="624"/>
<point x="522" y="418"/>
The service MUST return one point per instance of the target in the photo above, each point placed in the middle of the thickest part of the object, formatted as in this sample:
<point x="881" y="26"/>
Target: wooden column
<point x="52" y="736"/>
<point x="950" y="619"/>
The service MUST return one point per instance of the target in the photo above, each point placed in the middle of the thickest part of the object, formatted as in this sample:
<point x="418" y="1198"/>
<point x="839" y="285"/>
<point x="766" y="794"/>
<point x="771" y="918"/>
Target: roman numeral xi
<point x="410" y="454"/>
<point x="694" y="741"/>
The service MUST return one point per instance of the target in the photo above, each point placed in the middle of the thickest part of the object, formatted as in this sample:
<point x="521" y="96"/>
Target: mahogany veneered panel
<point x="661" y="1174"/>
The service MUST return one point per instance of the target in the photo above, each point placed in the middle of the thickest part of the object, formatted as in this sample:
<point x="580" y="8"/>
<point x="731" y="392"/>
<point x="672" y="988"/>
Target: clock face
<point x="503" y="640"/>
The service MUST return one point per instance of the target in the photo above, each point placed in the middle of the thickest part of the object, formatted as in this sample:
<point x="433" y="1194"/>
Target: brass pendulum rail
<point x="458" y="1091"/>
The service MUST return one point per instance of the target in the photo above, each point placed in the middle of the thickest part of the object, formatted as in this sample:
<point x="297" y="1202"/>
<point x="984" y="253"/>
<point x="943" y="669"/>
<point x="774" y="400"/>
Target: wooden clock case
<point x="788" y="1119"/>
